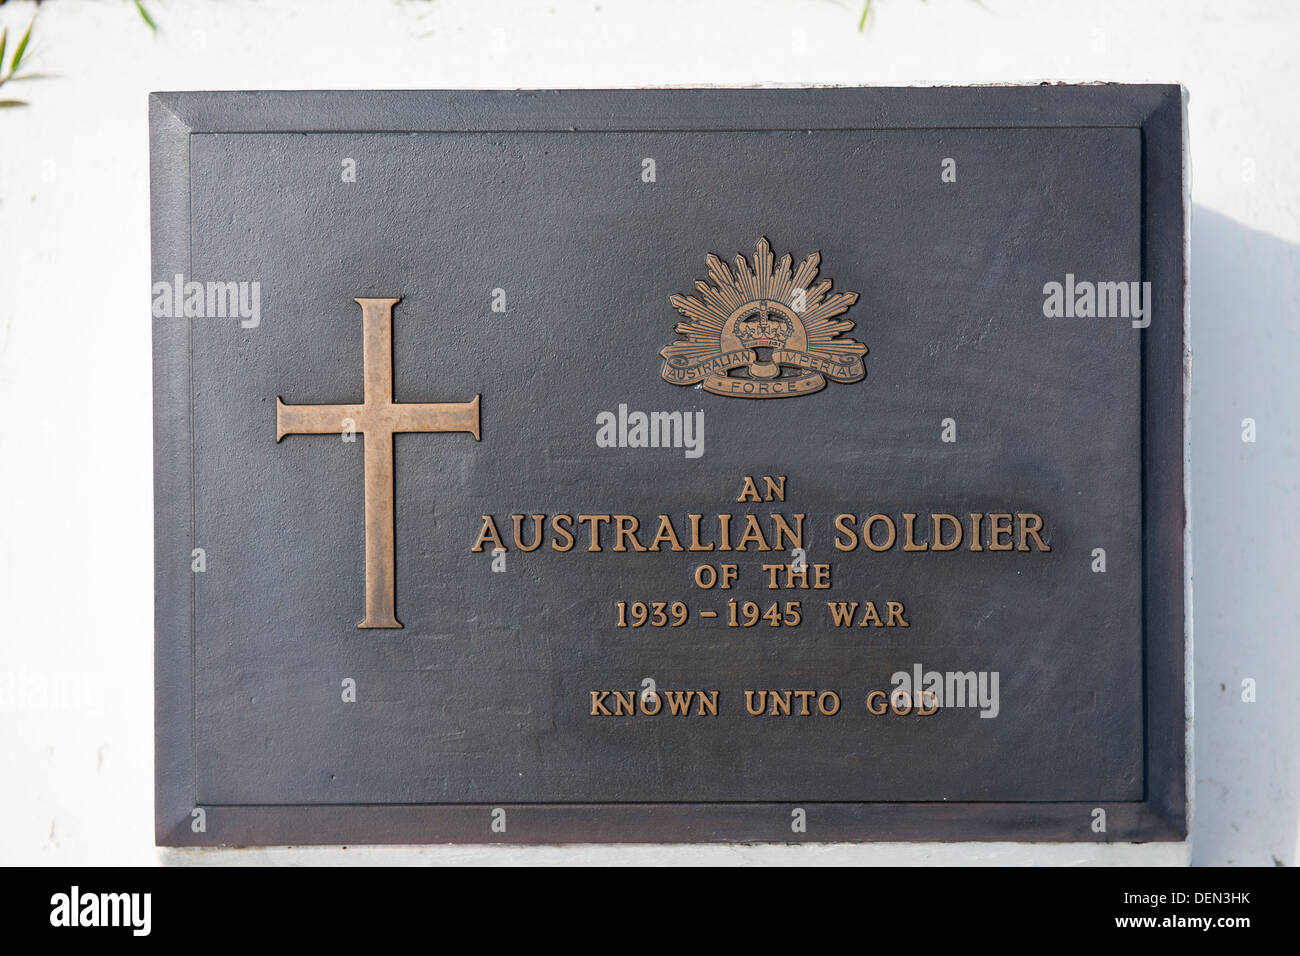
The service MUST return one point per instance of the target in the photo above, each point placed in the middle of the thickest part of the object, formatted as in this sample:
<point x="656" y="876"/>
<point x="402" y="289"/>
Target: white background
<point x="76" y="512"/>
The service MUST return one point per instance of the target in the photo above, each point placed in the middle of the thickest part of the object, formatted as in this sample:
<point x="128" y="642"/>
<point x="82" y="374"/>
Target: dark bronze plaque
<point x="799" y="465"/>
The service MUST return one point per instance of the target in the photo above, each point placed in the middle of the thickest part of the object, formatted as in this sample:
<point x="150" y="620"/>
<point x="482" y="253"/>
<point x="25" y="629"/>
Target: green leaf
<point x="7" y="103"/>
<point x="139" y="5"/>
<point x="22" y="48"/>
<point x="4" y="38"/>
<point x="866" y="8"/>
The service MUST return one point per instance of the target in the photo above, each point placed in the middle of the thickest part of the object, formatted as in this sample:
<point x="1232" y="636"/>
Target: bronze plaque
<point x="681" y="465"/>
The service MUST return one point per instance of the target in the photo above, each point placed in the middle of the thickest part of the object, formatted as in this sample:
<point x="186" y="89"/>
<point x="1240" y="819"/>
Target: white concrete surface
<point x="75" y="489"/>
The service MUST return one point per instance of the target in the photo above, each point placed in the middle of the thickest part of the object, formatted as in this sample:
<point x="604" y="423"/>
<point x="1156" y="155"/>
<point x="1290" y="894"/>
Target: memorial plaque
<point x="675" y="465"/>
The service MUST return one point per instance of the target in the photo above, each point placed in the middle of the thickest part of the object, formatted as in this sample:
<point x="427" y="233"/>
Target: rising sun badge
<point x="763" y="332"/>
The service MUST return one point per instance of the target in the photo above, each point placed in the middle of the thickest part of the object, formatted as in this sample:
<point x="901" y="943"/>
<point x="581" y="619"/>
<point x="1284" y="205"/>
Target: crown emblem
<point x="764" y="331"/>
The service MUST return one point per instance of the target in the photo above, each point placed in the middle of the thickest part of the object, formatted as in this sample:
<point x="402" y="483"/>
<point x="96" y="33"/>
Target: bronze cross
<point x="378" y="419"/>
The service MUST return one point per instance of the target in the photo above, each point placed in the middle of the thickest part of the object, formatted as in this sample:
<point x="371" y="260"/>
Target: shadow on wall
<point x="1245" y="529"/>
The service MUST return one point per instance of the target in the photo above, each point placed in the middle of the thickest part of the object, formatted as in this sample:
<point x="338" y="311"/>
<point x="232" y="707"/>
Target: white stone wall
<point x="75" y="456"/>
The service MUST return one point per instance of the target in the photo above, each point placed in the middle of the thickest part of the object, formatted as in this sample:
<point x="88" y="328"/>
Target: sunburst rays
<point x="732" y="287"/>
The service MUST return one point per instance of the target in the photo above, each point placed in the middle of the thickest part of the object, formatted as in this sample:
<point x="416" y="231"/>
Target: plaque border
<point x="1157" y="110"/>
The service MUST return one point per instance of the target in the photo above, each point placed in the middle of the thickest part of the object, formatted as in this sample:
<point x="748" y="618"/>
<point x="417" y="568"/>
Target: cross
<point x="379" y="418"/>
